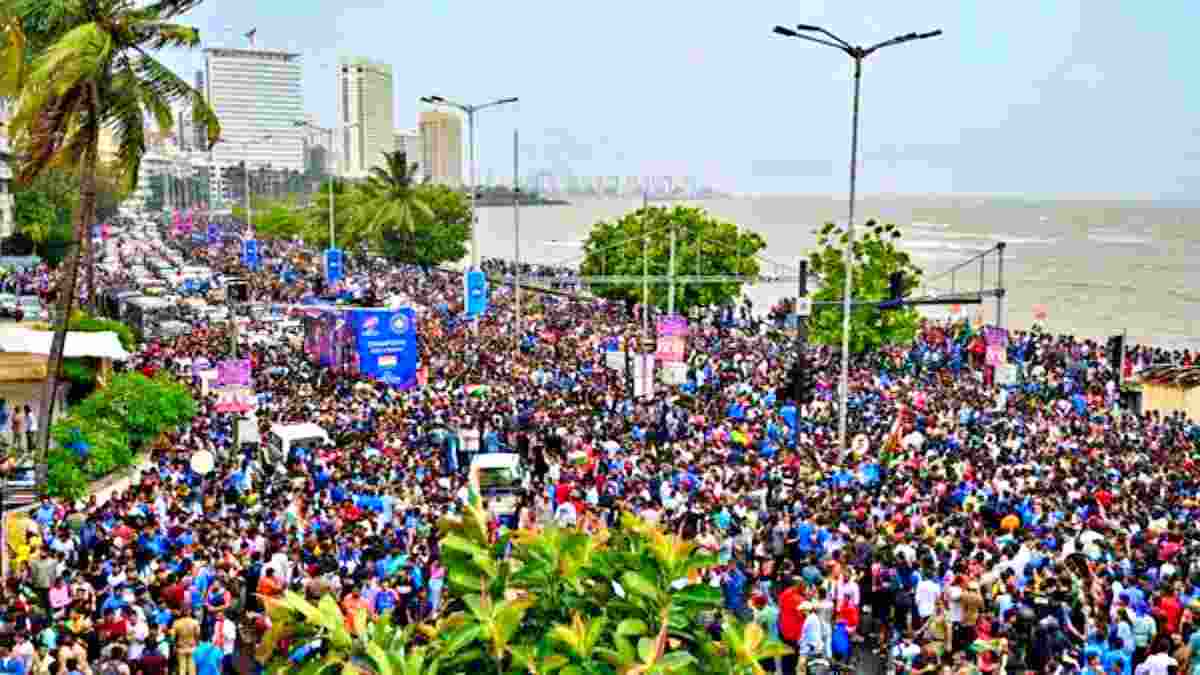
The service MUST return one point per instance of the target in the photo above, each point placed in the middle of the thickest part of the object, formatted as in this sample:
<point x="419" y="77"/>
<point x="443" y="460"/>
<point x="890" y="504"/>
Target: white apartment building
<point x="256" y="94"/>
<point x="366" y="114"/>
<point x="408" y="141"/>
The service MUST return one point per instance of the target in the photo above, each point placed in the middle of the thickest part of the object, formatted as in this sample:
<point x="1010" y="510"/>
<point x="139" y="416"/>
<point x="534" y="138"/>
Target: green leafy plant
<point x="876" y="255"/>
<point x="69" y="470"/>
<point x="629" y="601"/>
<point x="143" y="407"/>
<point x="704" y="245"/>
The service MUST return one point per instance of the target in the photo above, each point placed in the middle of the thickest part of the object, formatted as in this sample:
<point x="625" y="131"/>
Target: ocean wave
<point x="939" y="245"/>
<point x="1098" y="285"/>
<point x="1019" y="240"/>
<point x="564" y="243"/>
<point x="920" y="225"/>
<point x="1185" y="294"/>
<point x="1116" y="237"/>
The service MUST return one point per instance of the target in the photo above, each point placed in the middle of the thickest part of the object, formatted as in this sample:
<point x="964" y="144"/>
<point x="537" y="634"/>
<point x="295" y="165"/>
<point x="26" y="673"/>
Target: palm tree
<point x="76" y="67"/>
<point x="390" y="200"/>
<point x="38" y="233"/>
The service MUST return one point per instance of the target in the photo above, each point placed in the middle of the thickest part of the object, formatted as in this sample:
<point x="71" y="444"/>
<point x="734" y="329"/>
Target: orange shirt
<point x="269" y="586"/>
<point x="350" y="607"/>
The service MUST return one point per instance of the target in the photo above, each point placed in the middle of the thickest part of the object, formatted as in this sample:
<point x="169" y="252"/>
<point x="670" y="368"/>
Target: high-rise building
<point x="256" y="94"/>
<point x="365" y="114"/>
<point x="199" y="133"/>
<point x="441" y="147"/>
<point x="408" y="141"/>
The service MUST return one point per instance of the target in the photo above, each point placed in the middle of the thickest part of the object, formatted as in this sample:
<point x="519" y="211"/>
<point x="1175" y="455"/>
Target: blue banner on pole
<point x="97" y="233"/>
<point x="250" y="254"/>
<point x="214" y="233"/>
<point x="386" y="342"/>
<point x="475" y="287"/>
<point x="333" y="265"/>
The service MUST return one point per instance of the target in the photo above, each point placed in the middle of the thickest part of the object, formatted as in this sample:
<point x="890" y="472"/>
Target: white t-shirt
<point x="927" y="594"/>
<point x="954" y="598"/>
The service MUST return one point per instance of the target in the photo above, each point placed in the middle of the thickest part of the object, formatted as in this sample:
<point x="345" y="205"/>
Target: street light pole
<point x="857" y="55"/>
<point x="332" y="131"/>
<point x="469" y="111"/>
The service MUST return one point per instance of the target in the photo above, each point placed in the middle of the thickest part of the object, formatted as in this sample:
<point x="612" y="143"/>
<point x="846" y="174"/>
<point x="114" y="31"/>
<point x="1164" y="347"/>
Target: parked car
<point x="33" y="309"/>
<point x="19" y="488"/>
<point x="8" y="305"/>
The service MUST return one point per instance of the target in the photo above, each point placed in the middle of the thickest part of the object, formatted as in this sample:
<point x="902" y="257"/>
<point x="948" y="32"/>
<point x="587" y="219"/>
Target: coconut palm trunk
<point x="67" y="291"/>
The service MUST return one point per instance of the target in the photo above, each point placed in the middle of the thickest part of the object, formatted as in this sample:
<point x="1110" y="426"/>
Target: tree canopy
<point x="704" y="246"/>
<point x="437" y="233"/>
<point x="876" y="256"/>
<point x="437" y="236"/>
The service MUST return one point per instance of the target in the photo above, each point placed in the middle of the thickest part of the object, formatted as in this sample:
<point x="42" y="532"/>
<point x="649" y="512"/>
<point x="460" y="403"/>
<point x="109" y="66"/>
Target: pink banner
<point x="234" y="372"/>
<point x="672" y="339"/>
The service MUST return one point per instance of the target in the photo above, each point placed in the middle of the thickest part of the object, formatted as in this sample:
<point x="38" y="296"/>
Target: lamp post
<point x="333" y="175"/>
<point x="469" y="111"/>
<point x="246" y="175"/>
<point x="857" y="54"/>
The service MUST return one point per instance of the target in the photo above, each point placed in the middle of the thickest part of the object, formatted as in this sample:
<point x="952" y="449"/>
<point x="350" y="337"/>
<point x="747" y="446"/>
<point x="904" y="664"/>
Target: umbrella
<point x="1010" y="522"/>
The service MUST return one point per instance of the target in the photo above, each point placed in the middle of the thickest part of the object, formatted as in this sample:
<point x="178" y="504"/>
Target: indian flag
<point x="476" y="389"/>
<point x="577" y="457"/>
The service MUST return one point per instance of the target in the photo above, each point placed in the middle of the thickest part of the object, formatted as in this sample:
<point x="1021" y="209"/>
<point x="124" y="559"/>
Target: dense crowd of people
<point x="970" y="527"/>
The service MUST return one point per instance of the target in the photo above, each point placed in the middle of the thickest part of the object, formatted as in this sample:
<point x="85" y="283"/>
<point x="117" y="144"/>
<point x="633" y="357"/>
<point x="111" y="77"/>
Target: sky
<point x="1070" y="98"/>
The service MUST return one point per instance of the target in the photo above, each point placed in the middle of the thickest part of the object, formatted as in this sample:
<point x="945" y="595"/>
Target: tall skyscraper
<point x="365" y="113"/>
<point x="441" y="147"/>
<point x="256" y="93"/>
<point x="199" y="133"/>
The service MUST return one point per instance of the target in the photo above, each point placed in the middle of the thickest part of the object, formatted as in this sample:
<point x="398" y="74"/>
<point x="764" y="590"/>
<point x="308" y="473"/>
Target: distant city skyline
<point x="1062" y="99"/>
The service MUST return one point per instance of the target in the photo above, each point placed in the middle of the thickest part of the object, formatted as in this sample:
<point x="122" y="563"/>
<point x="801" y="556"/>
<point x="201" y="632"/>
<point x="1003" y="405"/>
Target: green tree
<point x="144" y="407"/>
<point x="75" y="68"/>
<point x="876" y="256"/>
<point x="703" y="245"/>
<point x="389" y="199"/>
<point x="34" y="215"/>
<point x="277" y="219"/>
<point x="437" y="237"/>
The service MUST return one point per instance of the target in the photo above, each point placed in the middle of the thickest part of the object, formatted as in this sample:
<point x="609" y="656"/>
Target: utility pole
<point x="857" y="54"/>
<point x="645" y="285"/>
<point x="517" y="239"/>
<point x="671" y="299"/>
<point x="801" y="319"/>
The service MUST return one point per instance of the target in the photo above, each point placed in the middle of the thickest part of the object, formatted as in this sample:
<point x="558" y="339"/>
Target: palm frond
<point x="169" y="87"/>
<point x="155" y="35"/>
<point x="13" y="64"/>
<point x="39" y="132"/>
<point x="168" y="9"/>
<point x="83" y="54"/>
<point x="125" y="117"/>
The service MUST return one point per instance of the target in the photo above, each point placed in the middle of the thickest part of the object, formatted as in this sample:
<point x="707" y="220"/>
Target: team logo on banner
<point x="399" y="324"/>
<point x="370" y="325"/>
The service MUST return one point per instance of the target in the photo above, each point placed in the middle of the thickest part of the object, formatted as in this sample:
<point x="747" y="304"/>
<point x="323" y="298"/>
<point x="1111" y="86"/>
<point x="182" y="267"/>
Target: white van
<point x="500" y="479"/>
<point x="283" y="437"/>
